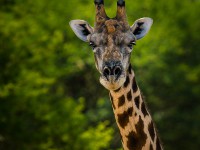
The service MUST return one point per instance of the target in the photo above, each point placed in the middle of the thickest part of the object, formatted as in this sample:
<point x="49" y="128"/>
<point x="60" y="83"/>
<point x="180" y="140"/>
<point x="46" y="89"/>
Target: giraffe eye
<point x="130" y="45"/>
<point x="92" y="45"/>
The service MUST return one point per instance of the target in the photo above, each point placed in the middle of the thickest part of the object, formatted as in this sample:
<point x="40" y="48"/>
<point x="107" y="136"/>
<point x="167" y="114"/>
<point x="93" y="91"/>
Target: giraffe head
<point x="112" y="40"/>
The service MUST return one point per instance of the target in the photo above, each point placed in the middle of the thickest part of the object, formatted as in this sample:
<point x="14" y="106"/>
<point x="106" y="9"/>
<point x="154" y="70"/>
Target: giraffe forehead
<point x="111" y="25"/>
<point x="115" y="38"/>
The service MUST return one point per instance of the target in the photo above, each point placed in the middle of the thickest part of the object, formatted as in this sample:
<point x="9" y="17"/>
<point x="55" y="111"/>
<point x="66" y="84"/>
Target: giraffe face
<point x="112" y="43"/>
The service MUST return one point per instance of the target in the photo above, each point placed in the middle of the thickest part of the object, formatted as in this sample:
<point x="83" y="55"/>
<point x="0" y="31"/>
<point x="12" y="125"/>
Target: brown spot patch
<point x="129" y="96"/>
<point x="130" y="111"/>
<point x="134" y="85"/>
<point x="158" y="146"/>
<point x="127" y="81"/>
<point x="151" y="130"/>
<point x="132" y="140"/>
<point x="137" y="101"/>
<point x="123" y="118"/>
<point x="136" y="140"/>
<point x="144" y="110"/>
<point x="121" y="101"/>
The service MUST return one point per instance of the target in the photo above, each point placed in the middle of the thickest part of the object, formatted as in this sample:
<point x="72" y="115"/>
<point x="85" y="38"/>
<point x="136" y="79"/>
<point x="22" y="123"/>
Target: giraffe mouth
<point x="112" y="82"/>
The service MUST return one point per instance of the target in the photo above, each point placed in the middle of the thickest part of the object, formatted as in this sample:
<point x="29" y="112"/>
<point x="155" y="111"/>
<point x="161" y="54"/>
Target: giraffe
<point x="112" y="41"/>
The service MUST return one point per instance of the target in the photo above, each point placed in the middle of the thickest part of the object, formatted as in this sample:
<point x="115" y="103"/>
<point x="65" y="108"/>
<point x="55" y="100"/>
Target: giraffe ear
<point x="141" y="27"/>
<point x="81" y="28"/>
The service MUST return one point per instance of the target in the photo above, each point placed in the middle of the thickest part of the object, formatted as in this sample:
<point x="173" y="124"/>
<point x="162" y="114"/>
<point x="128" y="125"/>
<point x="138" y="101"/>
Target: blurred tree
<point x="39" y="68"/>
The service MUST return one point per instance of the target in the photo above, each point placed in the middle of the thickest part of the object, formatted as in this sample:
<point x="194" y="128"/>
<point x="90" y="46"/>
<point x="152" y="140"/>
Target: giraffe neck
<point x="133" y="119"/>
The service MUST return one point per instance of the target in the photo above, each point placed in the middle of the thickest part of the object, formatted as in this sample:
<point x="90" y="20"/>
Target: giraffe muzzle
<point x="112" y="71"/>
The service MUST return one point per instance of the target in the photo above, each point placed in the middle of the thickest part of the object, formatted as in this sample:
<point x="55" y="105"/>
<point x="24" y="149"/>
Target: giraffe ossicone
<point x="112" y="41"/>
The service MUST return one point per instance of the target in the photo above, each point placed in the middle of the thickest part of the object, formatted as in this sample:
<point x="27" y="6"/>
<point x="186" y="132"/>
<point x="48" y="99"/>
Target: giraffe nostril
<point x="117" y="70"/>
<point x="112" y="70"/>
<point x="106" y="72"/>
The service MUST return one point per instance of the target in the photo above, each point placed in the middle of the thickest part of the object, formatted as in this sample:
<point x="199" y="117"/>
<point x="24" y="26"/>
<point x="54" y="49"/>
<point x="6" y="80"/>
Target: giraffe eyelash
<point x="92" y="45"/>
<point x="133" y="43"/>
<point x="130" y="45"/>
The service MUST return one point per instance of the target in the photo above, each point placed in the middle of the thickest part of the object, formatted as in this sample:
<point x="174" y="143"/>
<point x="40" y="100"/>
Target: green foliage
<point x="50" y="96"/>
<point x="38" y="65"/>
<point x="168" y="62"/>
